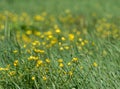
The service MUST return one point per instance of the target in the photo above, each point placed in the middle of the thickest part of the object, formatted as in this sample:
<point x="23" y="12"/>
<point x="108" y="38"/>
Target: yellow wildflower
<point x="66" y="47"/>
<point x="47" y="60"/>
<point x="1" y="69"/>
<point x="80" y="39"/>
<point x="61" y="65"/>
<point x="15" y="51"/>
<point x="36" y="43"/>
<point x="15" y="63"/>
<point x="60" y="43"/>
<point x="70" y="73"/>
<point x="2" y="26"/>
<point x="39" y="51"/>
<point x="63" y="38"/>
<point x="24" y="45"/>
<point x="44" y="78"/>
<point x="69" y="64"/>
<point x="37" y="33"/>
<point x="54" y="41"/>
<point x="95" y="64"/>
<point x="50" y="36"/>
<point x="29" y="32"/>
<point x="39" y="63"/>
<point x="82" y="43"/>
<point x="75" y="59"/>
<point x="71" y="37"/>
<point x="33" y="58"/>
<point x="39" y="18"/>
<point x="12" y="73"/>
<point x="60" y="60"/>
<point x="57" y="30"/>
<point x="61" y="48"/>
<point x="33" y="78"/>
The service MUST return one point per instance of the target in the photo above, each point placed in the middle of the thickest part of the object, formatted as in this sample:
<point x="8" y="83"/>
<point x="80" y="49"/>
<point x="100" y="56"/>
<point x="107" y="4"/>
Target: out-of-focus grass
<point x="85" y="7"/>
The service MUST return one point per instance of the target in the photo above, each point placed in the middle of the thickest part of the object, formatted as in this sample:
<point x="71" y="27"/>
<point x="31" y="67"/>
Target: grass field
<point x="56" y="44"/>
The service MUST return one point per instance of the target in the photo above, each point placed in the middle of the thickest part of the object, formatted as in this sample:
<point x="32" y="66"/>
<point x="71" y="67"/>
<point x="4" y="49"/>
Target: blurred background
<point x="84" y="7"/>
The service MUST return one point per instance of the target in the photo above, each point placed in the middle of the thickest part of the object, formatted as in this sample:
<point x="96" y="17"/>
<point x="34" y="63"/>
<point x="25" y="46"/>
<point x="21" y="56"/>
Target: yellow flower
<point x="1" y="69"/>
<point x="60" y="43"/>
<point x="75" y="59"/>
<point x="70" y="73"/>
<point x="61" y="48"/>
<point x="71" y="37"/>
<point x="66" y="47"/>
<point x="39" y="51"/>
<point x="37" y="33"/>
<point x="95" y="64"/>
<point x="29" y="32"/>
<point x="82" y="43"/>
<point x="57" y="30"/>
<point x="12" y="73"/>
<point x="15" y="51"/>
<point x="33" y="58"/>
<point x="39" y="63"/>
<point x="80" y="39"/>
<point x="44" y="78"/>
<point x="60" y="60"/>
<point x="69" y="64"/>
<point x="33" y="78"/>
<point x="63" y="38"/>
<point x="36" y="43"/>
<point x="81" y="67"/>
<point x="54" y="41"/>
<point x="47" y="60"/>
<point x="2" y="26"/>
<point x="15" y="63"/>
<point x="61" y="65"/>
<point x="7" y="68"/>
<point x="48" y="33"/>
<point x="50" y="36"/>
<point x="24" y="45"/>
<point x="39" y="18"/>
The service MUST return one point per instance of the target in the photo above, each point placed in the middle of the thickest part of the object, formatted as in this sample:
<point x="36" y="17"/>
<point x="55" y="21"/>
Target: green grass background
<point x="85" y="7"/>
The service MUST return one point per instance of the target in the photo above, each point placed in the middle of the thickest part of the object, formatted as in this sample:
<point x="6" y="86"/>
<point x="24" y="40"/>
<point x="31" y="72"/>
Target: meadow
<point x="56" y="44"/>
